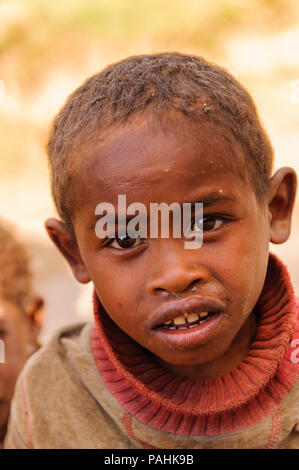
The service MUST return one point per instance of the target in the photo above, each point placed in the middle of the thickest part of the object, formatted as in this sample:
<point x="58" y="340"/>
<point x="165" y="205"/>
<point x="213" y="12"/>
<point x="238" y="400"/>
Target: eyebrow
<point x="209" y="200"/>
<point x="214" y="198"/>
<point x="98" y="217"/>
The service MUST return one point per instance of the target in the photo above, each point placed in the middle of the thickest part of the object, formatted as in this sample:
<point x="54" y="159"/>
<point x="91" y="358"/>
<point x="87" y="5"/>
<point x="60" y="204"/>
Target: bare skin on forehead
<point x="128" y="160"/>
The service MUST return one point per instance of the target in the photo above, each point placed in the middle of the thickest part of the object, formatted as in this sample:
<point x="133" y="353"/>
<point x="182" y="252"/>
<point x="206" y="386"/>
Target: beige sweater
<point x="61" y="402"/>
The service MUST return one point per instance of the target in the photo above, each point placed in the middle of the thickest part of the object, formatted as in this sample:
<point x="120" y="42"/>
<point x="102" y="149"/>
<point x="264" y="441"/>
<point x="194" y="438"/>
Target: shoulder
<point x="61" y="401"/>
<point x="67" y="342"/>
<point x="50" y="388"/>
<point x="61" y="356"/>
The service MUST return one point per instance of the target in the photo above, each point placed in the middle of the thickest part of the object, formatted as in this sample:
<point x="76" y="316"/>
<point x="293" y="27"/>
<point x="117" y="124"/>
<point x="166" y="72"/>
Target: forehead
<point x="150" y="163"/>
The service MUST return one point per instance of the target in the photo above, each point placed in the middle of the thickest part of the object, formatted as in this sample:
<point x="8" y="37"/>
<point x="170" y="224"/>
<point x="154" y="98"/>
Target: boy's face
<point x="157" y="280"/>
<point x="15" y="336"/>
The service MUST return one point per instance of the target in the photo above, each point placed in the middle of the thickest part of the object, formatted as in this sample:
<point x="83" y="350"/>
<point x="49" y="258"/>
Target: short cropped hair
<point x="160" y="83"/>
<point x="15" y="273"/>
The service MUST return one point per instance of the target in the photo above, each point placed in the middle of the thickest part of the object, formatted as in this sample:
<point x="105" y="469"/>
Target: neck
<point x="221" y="365"/>
<point x="250" y="391"/>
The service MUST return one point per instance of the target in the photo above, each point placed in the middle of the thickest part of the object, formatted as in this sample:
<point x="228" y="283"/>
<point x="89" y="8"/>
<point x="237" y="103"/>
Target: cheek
<point x="16" y="342"/>
<point x="120" y="294"/>
<point x="9" y="372"/>
<point x="14" y="361"/>
<point x="244" y="261"/>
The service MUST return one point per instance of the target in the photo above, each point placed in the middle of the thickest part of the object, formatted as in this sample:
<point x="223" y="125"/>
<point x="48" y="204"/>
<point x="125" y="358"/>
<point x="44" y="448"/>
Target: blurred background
<point x="47" y="49"/>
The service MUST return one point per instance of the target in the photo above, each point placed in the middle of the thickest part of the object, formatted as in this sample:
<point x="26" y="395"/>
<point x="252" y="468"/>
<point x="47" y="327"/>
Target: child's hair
<point x="160" y="83"/>
<point x="15" y="273"/>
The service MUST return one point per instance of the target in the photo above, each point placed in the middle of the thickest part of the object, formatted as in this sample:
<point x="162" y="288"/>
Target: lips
<point x="188" y="306"/>
<point x="187" y="322"/>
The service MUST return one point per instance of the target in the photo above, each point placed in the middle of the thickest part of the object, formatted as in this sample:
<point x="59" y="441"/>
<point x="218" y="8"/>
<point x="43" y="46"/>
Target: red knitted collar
<point x="246" y="395"/>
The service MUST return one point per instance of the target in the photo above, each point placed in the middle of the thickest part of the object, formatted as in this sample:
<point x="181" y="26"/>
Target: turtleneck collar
<point x="249" y="393"/>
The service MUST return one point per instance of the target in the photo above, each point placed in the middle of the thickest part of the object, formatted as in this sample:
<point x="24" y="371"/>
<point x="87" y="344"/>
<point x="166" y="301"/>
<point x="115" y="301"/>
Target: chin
<point x="194" y="360"/>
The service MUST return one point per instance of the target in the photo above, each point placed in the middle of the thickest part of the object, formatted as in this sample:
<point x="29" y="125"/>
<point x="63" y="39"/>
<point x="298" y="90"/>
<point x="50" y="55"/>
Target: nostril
<point x="194" y="285"/>
<point x="178" y="289"/>
<point x="163" y="292"/>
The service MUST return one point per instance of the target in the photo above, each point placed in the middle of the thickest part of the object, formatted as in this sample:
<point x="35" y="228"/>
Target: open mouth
<point x="186" y="321"/>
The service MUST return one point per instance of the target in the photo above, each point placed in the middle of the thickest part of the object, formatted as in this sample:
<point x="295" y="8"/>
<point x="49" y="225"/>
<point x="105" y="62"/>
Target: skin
<point x="19" y="332"/>
<point x="189" y="163"/>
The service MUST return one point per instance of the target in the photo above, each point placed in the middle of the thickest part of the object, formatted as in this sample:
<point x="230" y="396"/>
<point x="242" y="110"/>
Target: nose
<point x="176" y="270"/>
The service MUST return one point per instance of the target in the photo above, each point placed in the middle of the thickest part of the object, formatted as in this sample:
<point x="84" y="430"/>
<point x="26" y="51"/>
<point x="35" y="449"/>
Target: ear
<point x="281" y="203"/>
<point x="34" y="312"/>
<point x="67" y="245"/>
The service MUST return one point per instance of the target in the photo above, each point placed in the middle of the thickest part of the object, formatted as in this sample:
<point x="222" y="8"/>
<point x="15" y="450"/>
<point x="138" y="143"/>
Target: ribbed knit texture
<point x="249" y="393"/>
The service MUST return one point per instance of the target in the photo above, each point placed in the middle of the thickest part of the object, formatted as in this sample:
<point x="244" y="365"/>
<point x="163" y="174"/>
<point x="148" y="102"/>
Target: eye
<point x="125" y="243"/>
<point x="208" y="223"/>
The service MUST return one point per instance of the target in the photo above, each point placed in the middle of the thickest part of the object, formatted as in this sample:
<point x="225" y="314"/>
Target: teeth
<point x="186" y="319"/>
<point x="179" y="321"/>
<point x="191" y="317"/>
<point x="203" y="314"/>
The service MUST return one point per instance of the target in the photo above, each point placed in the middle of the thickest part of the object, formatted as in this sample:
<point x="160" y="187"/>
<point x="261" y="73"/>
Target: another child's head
<point x="171" y="128"/>
<point x="20" y="316"/>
